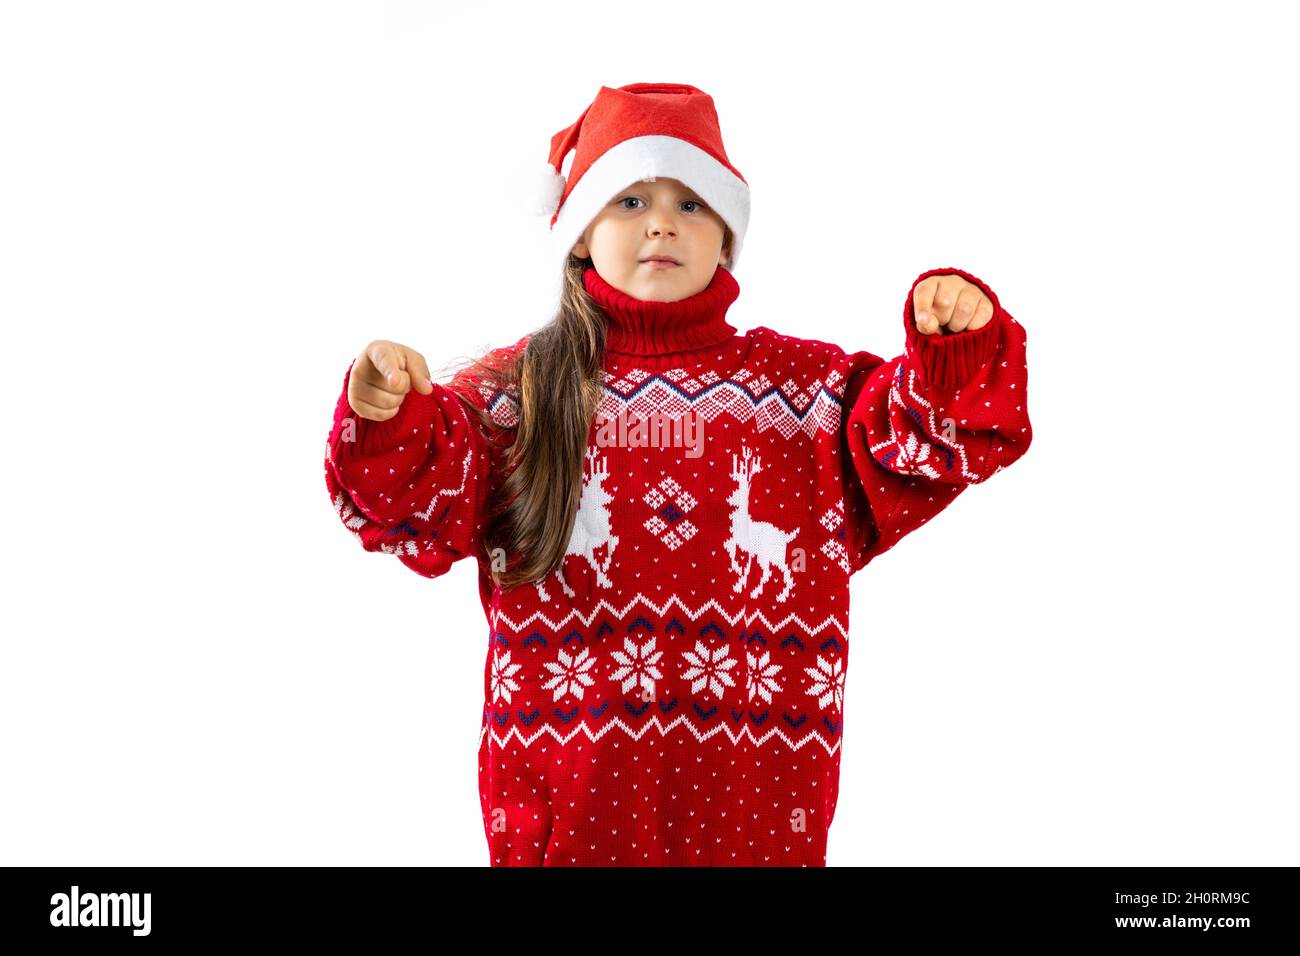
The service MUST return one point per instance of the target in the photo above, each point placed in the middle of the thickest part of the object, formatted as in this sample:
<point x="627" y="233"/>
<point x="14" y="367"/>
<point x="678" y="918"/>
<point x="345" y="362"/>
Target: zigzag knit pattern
<point x="674" y="692"/>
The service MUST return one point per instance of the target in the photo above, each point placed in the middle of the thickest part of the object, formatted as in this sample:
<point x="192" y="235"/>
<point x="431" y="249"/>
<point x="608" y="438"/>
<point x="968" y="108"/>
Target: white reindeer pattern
<point x="591" y="529"/>
<point x="759" y="539"/>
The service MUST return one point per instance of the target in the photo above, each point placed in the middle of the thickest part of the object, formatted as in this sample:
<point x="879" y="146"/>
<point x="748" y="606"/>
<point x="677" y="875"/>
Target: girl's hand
<point x="381" y="377"/>
<point x="949" y="303"/>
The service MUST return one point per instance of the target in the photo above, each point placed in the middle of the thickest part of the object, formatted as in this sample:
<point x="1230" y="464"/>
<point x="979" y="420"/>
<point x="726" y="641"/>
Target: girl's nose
<point x="661" y="229"/>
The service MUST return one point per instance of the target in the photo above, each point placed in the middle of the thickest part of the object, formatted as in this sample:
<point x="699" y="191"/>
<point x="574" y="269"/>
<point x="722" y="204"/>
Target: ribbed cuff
<point x="367" y="437"/>
<point x="948" y="360"/>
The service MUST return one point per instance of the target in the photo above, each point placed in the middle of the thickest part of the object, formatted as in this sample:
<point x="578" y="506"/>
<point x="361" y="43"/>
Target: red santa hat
<point x="639" y="132"/>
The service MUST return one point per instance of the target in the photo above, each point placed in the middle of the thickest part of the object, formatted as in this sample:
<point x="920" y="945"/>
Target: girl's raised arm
<point x="948" y="413"/>
<point x="416" y="485"/>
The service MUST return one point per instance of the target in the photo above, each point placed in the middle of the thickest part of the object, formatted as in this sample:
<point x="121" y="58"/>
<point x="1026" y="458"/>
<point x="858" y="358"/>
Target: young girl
<point x="665" y="512"/>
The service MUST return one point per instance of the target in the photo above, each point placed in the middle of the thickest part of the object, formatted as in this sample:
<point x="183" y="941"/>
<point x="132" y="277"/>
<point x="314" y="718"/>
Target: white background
<point x="208" y="209"/>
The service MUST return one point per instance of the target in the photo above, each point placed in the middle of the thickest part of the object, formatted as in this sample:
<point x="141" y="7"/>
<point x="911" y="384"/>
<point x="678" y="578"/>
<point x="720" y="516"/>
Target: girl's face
<point x="659" y="217"/>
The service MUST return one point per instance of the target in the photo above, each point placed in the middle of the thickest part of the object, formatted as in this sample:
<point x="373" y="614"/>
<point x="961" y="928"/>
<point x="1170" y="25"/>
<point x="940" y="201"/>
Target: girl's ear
<point x="727" y="239"/>
<point x="580" y="248"/>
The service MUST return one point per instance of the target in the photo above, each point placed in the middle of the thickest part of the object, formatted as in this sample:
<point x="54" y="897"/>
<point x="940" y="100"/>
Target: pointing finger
<point x="387" y="360"/>
<point x="923" y="306"/>
<point x="944" y="299"/>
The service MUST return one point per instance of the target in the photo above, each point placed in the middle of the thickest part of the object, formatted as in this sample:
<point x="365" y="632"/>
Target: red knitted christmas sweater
<point x="675" y="693"/>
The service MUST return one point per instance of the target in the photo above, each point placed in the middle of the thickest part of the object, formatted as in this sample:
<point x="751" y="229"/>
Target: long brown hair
<point x="557" y="380"/>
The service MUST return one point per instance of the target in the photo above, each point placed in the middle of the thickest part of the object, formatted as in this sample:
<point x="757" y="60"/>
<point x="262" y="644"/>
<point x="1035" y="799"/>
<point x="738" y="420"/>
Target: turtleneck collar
<point x="646" y="329"/>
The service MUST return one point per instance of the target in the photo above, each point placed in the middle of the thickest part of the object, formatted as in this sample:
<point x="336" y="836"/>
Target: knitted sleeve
<point x="417" y="485"/>
<point x="948" y="413"/>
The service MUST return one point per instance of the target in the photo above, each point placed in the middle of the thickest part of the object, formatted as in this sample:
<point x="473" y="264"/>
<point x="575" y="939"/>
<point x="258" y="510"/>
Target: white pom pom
<point x="550" y="188"/>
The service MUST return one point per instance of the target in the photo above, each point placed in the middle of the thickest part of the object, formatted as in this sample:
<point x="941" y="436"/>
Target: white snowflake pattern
<point x="761" y="677"/>
<point x="828" y="682"/>
<point x="913" y="458"/>
<point x="571" y="673"/>
<point x="503" y="673"/>
<point x="833" y="547"/>
<point x="638" y="665"/>
<point x="709" y="668"/>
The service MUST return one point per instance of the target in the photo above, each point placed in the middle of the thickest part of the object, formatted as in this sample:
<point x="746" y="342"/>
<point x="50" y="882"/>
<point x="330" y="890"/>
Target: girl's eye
<point x="685" y="202"/>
